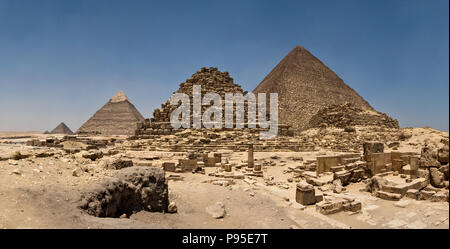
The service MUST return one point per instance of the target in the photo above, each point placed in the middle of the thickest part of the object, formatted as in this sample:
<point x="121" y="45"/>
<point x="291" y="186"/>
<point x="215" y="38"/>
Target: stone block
<point x="395" y="155"/>
<point x="337" y="168"/>
<point x="210" y="161"/>
<point x="378" y="162"/>
<point x="330" y="207"/>
<point x="227" y="167"/>
<point x="344" y="176"/>
<point x="443" y="154"/>
<point x="412" y="193"/>
<point x="324" y="163"/>
<point x="388" y="196"/>
<point x="118" y="163"/>
<point x="187" y="164"/>
<point x="305" y="194"/>
<point x="169" y="166"/>
<point x="425" y="195"/>
<point x="131" y="190"/>
<point x="143" y="163"/>
<point x="372" y="147"/>
<point x="257" y="167"/>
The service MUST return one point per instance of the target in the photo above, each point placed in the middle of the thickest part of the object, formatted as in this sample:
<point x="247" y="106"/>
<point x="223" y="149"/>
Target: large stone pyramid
<point x="61" y="129"/>
<point x="117" y="117"/>
<point x="210" y="79"/>
<point x="304" y="86"/>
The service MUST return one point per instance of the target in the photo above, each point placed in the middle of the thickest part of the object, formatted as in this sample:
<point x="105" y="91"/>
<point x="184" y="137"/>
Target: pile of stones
<point x="211" y="80"/>
<point x="348" y="114"/>
<point x="133" y="189"/>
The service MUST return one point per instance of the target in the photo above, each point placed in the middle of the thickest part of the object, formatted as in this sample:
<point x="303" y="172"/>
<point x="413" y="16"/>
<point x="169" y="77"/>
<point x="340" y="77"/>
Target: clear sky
<point x="62" y="60"/>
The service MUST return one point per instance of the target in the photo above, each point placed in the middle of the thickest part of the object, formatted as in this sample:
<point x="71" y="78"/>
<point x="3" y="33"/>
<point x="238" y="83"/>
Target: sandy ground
<point x="45" y="195"/>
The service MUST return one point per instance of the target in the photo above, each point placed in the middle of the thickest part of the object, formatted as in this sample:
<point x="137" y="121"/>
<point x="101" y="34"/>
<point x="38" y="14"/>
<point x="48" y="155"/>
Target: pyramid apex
<point x="119" y="97"/>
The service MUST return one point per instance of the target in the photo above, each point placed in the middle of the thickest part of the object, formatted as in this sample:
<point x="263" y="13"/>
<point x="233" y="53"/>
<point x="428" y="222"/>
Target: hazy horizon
<point x="61" y="61"/>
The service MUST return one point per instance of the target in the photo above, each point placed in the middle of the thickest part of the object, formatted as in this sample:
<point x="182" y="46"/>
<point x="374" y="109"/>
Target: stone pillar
<point x="250" y="161"/>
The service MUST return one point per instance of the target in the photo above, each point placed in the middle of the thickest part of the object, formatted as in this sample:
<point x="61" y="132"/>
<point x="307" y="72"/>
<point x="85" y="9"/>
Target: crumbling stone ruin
<point x="132" y="189"/>
<point x="305" y="194"/>
<point x="61" y="129"/>
<point x="340" y="146"/>
<point x="211" y="80"/>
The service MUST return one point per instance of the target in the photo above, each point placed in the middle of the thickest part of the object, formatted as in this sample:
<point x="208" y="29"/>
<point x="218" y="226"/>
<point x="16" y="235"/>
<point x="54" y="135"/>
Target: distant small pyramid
<point x="305" y="85"/>
<point x="119" y="97"/>
<point x="117" y="117"/>
<point x="60" y="129"/>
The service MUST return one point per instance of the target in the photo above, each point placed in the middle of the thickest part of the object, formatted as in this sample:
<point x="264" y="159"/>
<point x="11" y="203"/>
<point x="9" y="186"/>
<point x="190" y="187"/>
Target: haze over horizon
<point x="61" y="61"/>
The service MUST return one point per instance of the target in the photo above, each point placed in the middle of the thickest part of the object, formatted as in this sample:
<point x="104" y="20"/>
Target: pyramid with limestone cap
<point x="117" y="117"/>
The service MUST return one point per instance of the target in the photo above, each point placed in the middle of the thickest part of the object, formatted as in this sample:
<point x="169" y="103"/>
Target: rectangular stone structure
<point x="414" y="165"/>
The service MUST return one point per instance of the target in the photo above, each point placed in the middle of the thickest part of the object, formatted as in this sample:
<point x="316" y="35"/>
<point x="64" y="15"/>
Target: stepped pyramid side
<point x="117" y="117"/>
<point x="210" y="80"/>
<point x="304" y="86"/>
<point x="61" y="129"/>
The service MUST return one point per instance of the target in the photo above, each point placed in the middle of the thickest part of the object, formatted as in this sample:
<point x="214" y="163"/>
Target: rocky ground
<point x="44" y="188"/>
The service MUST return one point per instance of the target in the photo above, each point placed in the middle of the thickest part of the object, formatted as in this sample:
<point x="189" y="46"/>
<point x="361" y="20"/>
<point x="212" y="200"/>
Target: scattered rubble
<point x="131" y="190"/>
<point x="217" y="211"/>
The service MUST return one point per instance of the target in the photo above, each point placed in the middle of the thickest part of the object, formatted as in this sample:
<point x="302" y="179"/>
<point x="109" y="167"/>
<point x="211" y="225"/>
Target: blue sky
<point x="62" y="60"/>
